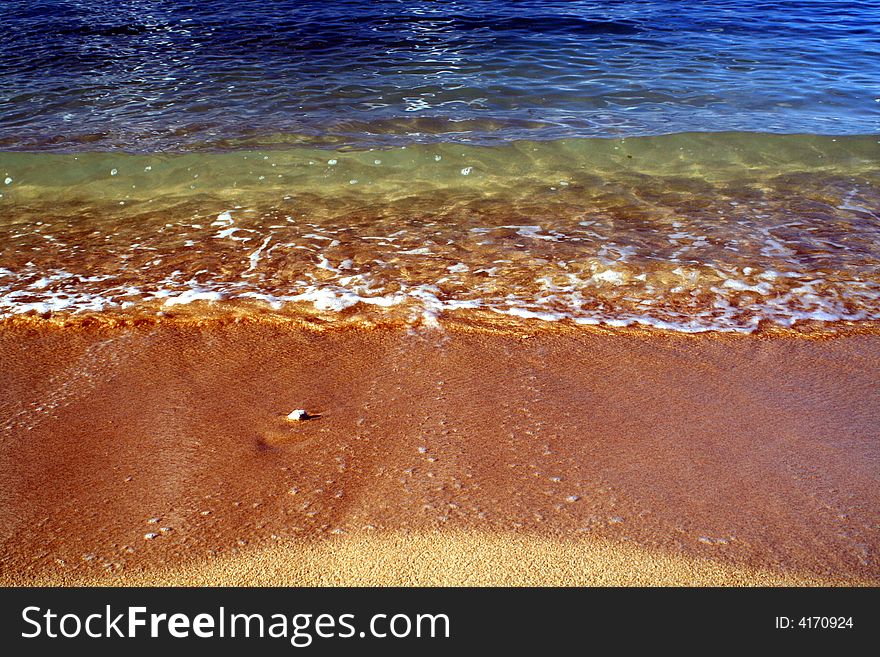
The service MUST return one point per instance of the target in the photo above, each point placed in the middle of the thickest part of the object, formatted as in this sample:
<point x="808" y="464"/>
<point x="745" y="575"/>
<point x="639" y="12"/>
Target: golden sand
<point x="161" y="454"/>
<point x="440" y="558"/>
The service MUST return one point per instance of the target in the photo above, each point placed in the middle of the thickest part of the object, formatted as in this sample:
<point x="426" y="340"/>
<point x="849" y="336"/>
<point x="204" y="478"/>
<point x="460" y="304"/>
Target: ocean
<point x="685" y="166"/>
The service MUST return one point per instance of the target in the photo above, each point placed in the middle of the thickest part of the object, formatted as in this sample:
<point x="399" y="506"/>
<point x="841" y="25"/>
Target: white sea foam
<point x="760" y="288"/>
<point x="534" y="232"/>
<point x="223" y="219"/>
<point x="196" y="294"/>
<point x="428" y="304"/>
<point x="254" y="258"/>
<point x="230" y="234"/>
<point x="687" y="298"/>
<point x="609" y="276"/>
<point x="529" y="314"/>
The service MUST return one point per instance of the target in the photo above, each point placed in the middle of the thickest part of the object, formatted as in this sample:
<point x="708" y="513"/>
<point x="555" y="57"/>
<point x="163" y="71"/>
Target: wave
<point x="688" y="232"/>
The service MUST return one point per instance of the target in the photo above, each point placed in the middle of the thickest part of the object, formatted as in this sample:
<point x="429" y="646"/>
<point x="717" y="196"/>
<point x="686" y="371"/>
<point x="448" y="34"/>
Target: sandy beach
<point x="161" y="454"/>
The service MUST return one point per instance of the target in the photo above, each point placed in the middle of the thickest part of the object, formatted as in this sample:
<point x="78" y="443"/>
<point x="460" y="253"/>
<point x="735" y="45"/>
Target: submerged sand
<point x="160" y="454"/>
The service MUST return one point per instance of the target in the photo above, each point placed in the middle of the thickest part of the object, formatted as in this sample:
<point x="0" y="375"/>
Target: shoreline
<point x="731" y="459"/>
<point x="207" y="315"/>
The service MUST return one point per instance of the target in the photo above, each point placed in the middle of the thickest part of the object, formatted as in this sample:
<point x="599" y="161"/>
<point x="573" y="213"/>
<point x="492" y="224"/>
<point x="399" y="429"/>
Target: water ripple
<point x="159" y="76"/>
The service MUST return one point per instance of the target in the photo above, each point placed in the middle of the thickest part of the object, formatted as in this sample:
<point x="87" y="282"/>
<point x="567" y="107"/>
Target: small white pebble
<point x="150" y="536"/>
<point x="113" y="172"/>
<point x="298" y="415"/>
<point x="331" y="162"/>
<point x="8" y="180"/>
<point x="572" y="498"/>
<point x="423" y="450"/>
<point x="467" y="171"/>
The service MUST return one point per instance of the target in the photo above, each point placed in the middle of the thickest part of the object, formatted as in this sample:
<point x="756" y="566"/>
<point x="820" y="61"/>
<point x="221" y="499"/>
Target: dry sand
<point x="160" y="454"/>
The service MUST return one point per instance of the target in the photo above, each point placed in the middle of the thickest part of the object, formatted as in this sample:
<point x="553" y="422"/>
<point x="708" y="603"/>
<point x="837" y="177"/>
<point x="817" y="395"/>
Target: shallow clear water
<point x="367" y="161"/>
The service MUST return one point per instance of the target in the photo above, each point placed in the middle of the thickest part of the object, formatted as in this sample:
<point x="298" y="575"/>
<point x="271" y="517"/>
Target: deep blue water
<point x="159" y="75"/>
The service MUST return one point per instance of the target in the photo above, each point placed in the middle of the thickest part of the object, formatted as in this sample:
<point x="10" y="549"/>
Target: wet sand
<point x="160" y="454"/>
